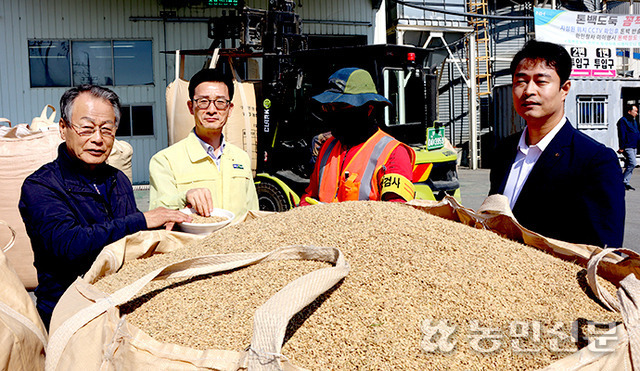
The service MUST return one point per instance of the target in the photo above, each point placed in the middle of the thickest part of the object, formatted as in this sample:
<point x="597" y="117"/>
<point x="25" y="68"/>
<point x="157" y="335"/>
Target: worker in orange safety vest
<point x="358" y="161"/>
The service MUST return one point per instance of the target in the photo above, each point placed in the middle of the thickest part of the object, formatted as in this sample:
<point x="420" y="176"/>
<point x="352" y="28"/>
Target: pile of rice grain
<point x="407" y="267"/>
<point x="199" y="219"/>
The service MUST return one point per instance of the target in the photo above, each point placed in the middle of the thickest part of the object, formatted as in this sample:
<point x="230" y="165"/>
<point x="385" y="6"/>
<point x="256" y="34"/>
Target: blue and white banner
<point x="587" y="29"/>
<point x="591" y="39"/>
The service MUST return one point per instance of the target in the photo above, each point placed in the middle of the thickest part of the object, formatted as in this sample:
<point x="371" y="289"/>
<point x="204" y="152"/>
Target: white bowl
<point x="205" y="228"/>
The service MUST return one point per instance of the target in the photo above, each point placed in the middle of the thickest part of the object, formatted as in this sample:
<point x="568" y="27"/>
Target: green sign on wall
<point x="435" y="138"/>
<point x="223" y="3"/>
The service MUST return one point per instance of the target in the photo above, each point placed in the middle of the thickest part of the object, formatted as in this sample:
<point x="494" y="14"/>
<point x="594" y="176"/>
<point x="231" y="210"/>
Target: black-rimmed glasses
<point x="204" y="103"/>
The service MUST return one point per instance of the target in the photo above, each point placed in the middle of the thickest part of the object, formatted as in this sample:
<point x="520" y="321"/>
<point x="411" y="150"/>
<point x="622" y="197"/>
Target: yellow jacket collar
<point x="197" y="153"/>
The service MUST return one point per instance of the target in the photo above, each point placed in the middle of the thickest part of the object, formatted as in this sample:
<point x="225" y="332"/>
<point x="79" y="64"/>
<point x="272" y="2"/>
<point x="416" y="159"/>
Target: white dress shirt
<point x="211" y="152"/>
<point x="526" y="158"/>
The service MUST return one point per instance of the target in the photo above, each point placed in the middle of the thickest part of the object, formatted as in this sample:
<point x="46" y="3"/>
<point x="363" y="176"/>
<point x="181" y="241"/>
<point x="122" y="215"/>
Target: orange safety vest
<point x="360" y="178"/>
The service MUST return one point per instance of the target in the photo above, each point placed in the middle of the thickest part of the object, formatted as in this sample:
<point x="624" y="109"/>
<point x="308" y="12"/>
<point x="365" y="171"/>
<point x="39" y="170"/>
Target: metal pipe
<point x="464" y="14"/>
<point x="207" y="19"/>
<point x="402" y="112"/>
<point x="344" y="23"/>
<point x="473" y="104"/>
<point x="387" y="109"/>
<point x="170" y="19"/>
<point x="400" y="78"/>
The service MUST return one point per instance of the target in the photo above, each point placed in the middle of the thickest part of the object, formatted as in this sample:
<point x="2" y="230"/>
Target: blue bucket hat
<point x="353" y="86"/>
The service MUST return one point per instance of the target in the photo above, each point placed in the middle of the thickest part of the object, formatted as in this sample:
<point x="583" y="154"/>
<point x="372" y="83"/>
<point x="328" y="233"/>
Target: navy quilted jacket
<point x="69" y="221"/>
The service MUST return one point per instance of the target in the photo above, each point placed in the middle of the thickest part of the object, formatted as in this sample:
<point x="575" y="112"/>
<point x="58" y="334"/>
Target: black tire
<point x="271" y="197"/>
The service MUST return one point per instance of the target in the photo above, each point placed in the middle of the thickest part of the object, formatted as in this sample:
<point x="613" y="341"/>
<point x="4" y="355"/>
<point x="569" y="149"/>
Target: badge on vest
<point x="238" y="166"/>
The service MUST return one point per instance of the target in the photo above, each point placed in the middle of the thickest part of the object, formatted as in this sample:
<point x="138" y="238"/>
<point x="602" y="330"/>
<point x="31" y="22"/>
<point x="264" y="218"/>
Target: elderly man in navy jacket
<point x="628" y="136"/>
<point x="74" y="206"/>
<point x="560" y="182"/>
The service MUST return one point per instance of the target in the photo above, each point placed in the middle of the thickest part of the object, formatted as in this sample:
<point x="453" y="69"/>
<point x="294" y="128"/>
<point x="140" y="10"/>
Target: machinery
<point x="291" y="74"/>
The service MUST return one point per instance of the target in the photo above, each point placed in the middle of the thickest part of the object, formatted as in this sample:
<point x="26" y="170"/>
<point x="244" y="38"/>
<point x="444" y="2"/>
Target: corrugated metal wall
<point x="453" y="109"/>
<point x="592" y="5"/>
<point x="507" y="121"/>
<point x="507" y="37"/>
<point x="622" y="7"/>
<point x="325" y="17"/>
<point x="78" y="19"/>
<point x="72" y="19"/>
<point x="453" y="97"/>
<point x="416" y="16"/>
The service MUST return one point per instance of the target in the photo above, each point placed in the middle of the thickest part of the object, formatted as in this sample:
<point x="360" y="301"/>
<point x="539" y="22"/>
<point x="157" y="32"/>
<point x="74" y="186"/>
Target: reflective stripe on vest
<point x="367" y="177"/>
<point x="365" y="163"/>
<point x="325" y="157"/>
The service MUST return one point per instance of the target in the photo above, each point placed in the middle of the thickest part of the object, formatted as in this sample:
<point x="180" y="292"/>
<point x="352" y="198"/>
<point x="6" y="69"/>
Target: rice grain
<point x="411" y="272"/>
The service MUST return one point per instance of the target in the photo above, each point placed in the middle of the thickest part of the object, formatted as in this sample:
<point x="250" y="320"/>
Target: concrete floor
<point x="632" y="221"/>
<point x="474" y="186"/>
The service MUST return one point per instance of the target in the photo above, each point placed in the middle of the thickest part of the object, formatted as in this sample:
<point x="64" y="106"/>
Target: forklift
<point x="287" y="120"/>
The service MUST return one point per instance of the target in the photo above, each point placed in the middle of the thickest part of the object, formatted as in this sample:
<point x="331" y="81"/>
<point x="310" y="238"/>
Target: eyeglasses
<point x="107" y="131"/>
<point x="204" y="103"/>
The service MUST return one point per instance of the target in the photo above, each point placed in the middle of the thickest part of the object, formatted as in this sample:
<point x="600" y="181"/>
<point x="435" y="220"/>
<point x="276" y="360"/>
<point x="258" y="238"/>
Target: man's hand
<point x="162" y="216"/>
<point x="200" y="200"/>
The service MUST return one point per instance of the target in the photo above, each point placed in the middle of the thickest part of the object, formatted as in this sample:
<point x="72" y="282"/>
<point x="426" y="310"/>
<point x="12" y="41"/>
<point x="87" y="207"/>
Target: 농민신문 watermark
<point x="523" y="337"/>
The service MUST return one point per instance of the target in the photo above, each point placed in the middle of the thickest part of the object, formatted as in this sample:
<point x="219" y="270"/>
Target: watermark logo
<point x="522" y="337"/>
<point x="437" y="336"/>
<point x="484" y="339"/>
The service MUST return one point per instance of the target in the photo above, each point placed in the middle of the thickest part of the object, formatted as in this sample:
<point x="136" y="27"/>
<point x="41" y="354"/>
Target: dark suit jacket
<point x="574" y="192"/>
<point x="628" y="133"/>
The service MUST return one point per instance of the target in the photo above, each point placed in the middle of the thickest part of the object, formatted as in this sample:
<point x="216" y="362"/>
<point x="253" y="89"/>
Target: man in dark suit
<point x="560" y="182"/>
<point x="628" y="136"/>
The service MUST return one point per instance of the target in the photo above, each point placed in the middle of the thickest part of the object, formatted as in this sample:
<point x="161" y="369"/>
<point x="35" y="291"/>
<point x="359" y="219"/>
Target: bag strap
<point x="179" y="65"/>
<point x="2" y="119"/>
<point x="5" y="308"/>
<point x="592" y="272"/>
<point x="271" y="319"/>
<point x="309" y="287"/>
<point x="627" y="304"/>
<point x="12" y="241"/>
<point x="43" y="115"/>
<point x="245" y="111"/>
<point x="25" y="321"/>
<point x="214" y="58"/>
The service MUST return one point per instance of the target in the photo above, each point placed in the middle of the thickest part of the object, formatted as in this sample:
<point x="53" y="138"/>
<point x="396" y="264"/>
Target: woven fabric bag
<point x="241" y="127"/>
<point x="87" y="331"/>
<point x="621" y="351"/>
<point x="121" y="156"/>
<point x="618" y="349"/>
<point x="23" y="337"/>
<point x="22" y="151"/>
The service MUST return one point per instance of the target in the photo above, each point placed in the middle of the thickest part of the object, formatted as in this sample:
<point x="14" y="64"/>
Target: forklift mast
<point x="280" y="77"/>
<point x="291" y="74"/>
<point x="289" y="120"/>
<point x="287" y="116"/>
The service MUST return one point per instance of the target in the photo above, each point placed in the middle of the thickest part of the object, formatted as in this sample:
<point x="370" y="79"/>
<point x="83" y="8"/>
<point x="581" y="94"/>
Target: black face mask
<point x="351" y="126"/>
